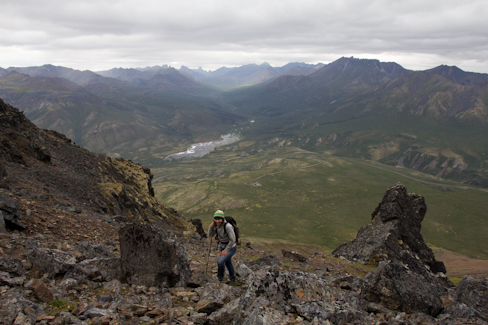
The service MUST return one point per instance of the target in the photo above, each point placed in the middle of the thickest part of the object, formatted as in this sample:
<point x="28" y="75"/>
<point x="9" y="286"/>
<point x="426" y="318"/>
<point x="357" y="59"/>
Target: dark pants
<point x="226" y="261"/>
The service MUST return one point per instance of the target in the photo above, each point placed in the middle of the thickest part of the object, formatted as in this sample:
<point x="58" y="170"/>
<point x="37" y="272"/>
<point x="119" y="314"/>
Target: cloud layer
<point x="103" y="34"/>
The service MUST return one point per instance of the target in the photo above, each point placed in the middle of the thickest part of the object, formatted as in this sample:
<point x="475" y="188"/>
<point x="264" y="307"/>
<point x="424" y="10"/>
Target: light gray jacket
<point x="225" y="233"/>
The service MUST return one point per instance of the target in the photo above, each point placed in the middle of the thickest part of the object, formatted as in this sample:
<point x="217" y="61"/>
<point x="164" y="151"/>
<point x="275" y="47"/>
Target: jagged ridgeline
<point x="46" y="167"/>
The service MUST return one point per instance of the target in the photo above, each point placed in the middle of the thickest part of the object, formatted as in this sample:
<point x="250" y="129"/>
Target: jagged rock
<point x="200" y="279"/>
<point x="68" y="283"/>
<point x="41" y="291"/>
<point x="289" y="292"/>
<point x="12" y="271"/>
<point x="344" y="312"/>
<point x="268" y="316"/>
<point x="13" y="305"/>
<point x="149" y="257"/>
<point x="267" y="260"/>
<point x="95" y="312"/>
<point x="293" y="256"/>
<point x="199" y="227"/>
<point x="89" y="251"/>
<point x="8" y="279"/>
<point x="214" y="295"/>
<point x="12" y="266"/>
<point x="106" y="268"/>
<point x="405" y="284"/>
<point x="51" y="261"/>
<point x="3" y="227"/>
<point x="245" y="273"/>
<point x="395" y="227"/>
<point x="224" y="315"/>
<point x="473" y="292"/>
<point x="198" y="318"/>
<point x="65" y="318"/>
<point x="11" y="215"/>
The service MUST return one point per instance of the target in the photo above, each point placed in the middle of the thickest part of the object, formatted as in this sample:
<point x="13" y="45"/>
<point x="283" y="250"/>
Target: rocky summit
<point x="83" y="241"/>
<point x="395" y="227"/>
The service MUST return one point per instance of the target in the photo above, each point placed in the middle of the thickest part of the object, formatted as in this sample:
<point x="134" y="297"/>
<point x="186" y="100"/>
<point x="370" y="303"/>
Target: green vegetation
<point x="316" y="199"/>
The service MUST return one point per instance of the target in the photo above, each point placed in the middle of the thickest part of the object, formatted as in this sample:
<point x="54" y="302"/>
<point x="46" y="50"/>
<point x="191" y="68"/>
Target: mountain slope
<point x="49" y="70"/>
<point x="47" y="167"/>
<point x="379" y="111"/>
<point x="459" y="76"/>
<point x="109" y="115"/>
<point x="163" y="79"/>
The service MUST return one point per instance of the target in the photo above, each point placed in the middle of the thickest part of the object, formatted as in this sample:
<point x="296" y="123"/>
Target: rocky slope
<point x="151" y="275"/>
<point x="47" y="169"/>
<point x="69" y="255"/>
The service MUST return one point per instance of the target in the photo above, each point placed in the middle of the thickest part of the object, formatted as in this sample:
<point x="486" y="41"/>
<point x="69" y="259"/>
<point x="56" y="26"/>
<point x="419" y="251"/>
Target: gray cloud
<point x="98" y="35"/>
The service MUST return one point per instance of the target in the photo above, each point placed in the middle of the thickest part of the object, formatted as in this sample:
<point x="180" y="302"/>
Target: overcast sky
<point x="99" y="35"/>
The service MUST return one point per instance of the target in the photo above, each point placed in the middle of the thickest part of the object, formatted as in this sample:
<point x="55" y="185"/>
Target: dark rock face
<point x="11" y="306"/>
<point x="12" y="266"/>
<point x="395" y="227"/>
<point x="149" y="257"/>
<point x="52" y="262"/>
<point x="267" y="260"/>
<point x="405" y="284"/>
<point x="89" y="251"/>
<point x="199" y="227"/>
<point x="200" y="279"/>
<point x="214" y="296"/>
<point x="293" y="256"/>
<point x="9" y="212"/>
<point x="473" y="292"/>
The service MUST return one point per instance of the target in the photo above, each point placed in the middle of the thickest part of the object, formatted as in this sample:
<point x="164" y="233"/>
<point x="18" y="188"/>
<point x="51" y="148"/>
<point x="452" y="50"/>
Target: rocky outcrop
<point x="278" y="295"/>
<point x="199" y="227"/>
<point x="405" y="284"/>
<point x="10" y="216"/>
<point x="402" y="291"/>
<point x="473" y="293"/>
<point x="150" y="257"/>
<point x="46" y="167"/>
<point x="395" y="227"/>
<point x="293" y="256"/>
<point x="12" y="271"/>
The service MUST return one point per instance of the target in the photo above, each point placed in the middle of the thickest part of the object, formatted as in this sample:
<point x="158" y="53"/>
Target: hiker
<point x="227" y="244"/>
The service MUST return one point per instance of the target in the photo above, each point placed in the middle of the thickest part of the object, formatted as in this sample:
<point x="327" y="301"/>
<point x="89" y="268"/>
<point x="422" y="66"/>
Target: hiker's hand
<point x="212" y="224"/>
<point x="224" y="253"/>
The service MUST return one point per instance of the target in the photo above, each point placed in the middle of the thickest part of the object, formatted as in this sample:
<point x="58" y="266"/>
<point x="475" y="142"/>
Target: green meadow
<point x="315" y="199"/>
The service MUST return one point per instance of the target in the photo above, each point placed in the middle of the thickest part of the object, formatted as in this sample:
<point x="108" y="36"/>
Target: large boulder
<point x="395" y="227"/>
<point x="12" y="271"/>
<point x="304" y="294"/>
<point x="214" y="296"/>
<point x="473" y="292"/>
<point x="52" y="262"/>
<point x="12" y="265"/>
<point x="10" y="213"/>
<point x="15" y="309"/>
<point x="405" y="284"/>
<point x="89" y="251"/>
<point x="150" y="257"/>
<point x="199" y="227"/>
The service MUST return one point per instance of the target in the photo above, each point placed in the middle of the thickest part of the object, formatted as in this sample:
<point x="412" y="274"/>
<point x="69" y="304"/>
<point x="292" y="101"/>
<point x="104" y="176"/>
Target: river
<point x="202" y="148"/>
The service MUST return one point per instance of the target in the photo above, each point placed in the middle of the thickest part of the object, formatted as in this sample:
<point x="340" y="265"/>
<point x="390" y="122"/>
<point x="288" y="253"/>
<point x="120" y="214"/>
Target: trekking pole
<point x="208" y="256"/>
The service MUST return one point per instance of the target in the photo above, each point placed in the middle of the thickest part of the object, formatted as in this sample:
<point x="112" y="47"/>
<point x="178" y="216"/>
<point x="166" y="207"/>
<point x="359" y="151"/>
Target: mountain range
<point x="432" y="120"/>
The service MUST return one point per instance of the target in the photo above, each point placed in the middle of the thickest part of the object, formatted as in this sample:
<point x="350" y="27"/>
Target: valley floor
<point x="458" y="265"/>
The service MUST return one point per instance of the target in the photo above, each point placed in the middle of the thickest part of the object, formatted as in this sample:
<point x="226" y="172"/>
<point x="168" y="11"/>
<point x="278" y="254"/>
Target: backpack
<point x="233" y="223"/>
